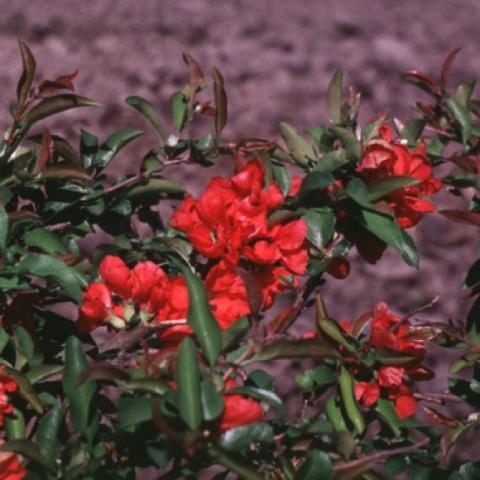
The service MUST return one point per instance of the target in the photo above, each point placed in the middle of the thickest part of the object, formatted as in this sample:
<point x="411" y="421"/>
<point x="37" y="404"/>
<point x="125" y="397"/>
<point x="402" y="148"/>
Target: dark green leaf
<point x="4" y="338"/>
<point x="3" y="228"/>
<point x="15" y="425"/>
<point x="314" y="182"/>
<point x="132" y="411"/>
<point x="212" y="401"/>
<point x="45" y="240"/>
<point x="317" y="465"/>
<point x="461" y="115"/>
<point x="330" y="161"/>
<point x="201" y="319"/>
<point x="60" y="172"/>
<point x="282" y="177"/>
<point x="380" y="189"/>
<point x="293" y="349"/>
<point x="26" y="80"/>
<point x="23" y="342"/>
<point x="395" y="465"/>
<point x="234" y="463"/>
<point x="349" y="141"/>
<point x="464" y="93"/>
<point x="233" y="334"/>
<point x="148" y="111"/>
<point x="413" y="129"/>
<point x="40" y="372"/>
<point x="321" y="225"/>
<point x="88" y="148"/>
<point x="46" y="436"/>
<point x="179" y="110"/>
<point x="391" y="357"/>
<point x="300" y="150"/>
<point x="155" y="188"/>
<point x="387" y="414"/>
<point x="113" y="144"/>
<point x="80" y="396"/>
<point x="50" y="267"/>
<point x="334" y="96"/>
<point x="237" y="439"/>
<point x="52" y="105"/>
<point x="261" y="394"/>
<point x="221" y="110"/>
<point x="188" y="382"/>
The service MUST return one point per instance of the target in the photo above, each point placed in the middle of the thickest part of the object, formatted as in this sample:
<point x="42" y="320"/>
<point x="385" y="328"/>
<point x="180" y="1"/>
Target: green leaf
<point x="40" y="372"/>
<point x="314" y="182"/>
<point x="331" y="161"/>
<point x="52" y="105"/>
<point x="25" y="389"/>
<point x="300" y="150"/>
<point x="15" y="425"/>
<point x="331" y="329"/>
<point x="188" y="382"/>
<point x="45" y="240"/>
<point x="201" y="319"/>
<point x="387" y="414"/>
<point x="464" y="93"/>
<point x="155" y="188"/>
<point x="386" y="186"/>
<point x="461" y="115"/>
<point x="239" y="438"/>
<point x="61" y="172"/>
<point x="3" y="228"/>
<point x="46" y="436"/>
<point x="413" y="129"/>
<point x="23" y="343"/>
<point x="88" y="148"/>
<point x="212" y="401"/>
<point x="321" y="225"/>
<point x="221" y="110"/>
<point x="46" y="266"/>
<point x="317" y="465"/>
<point x="261" y="394"/>
<point x="179" y="110"/>
<point x="282" y="177"/>
<point x="132" y="411"/>
<point x="391" y="357"/>
<point x="233" y="334"/>
<point x="349" y="402"/>
<point x="28" y="73"/>
<point x="349" y="141"/>
<point x="334" y="96"/>
<point x="234" y="463"/>
<point x="4" y="338"/>
<point x="80" y="396"/>
<point x="113" y="144"/>
<point x="29" y="450"/>
<point x="293" y="349"/>
<point x="395" y="465"/>
<point x="148" y="111"/>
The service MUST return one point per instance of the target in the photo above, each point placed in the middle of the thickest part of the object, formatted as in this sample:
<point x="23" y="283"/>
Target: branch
<point x="378" y="456"/>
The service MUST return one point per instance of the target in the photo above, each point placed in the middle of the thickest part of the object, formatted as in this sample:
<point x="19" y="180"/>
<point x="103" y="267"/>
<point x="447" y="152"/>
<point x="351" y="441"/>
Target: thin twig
<point x="249" y="350"/>
<point x="378" y="456"/>
<point x="439" y="398"/>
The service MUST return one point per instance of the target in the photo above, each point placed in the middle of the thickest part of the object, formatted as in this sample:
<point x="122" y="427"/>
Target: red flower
<point x="389" y="158"/>
<point x="97" y="302"/>
<point x="368" y="393"/>
<point x="228" y="295"/>
<point x="405" y="406"/>
<point x="116" y="275"/>
<point x="390" y="376"/>
<point x="145" y="276"/>
<point x="10" y="467"/>
<point x="7" y="386"/>
<point x="273" y="280"/>
<point x="239" y="410"/>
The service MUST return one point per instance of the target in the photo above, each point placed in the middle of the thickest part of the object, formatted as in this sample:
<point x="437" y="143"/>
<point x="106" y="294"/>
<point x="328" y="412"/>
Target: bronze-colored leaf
<point x="29" y="66"/>
<point x="221" y="111"/>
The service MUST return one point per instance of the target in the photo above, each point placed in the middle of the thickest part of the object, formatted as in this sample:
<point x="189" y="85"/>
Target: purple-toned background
<point x="277" y="57"/>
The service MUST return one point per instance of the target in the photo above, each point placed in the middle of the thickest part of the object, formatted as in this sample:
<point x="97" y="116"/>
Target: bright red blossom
<point x="10" y="467"/>
<point x="230" y="221"/>
<point x="386" y="158"/>
<point x="239" y="410"/>
<point x="7" y="386"/>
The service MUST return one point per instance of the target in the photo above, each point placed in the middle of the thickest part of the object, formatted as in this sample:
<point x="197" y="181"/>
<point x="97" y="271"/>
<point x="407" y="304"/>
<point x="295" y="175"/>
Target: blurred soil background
<point x="277" y="57"/>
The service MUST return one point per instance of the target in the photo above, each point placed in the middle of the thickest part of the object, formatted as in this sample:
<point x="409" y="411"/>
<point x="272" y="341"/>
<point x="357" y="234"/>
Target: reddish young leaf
<point x="63" y="82"/>
<point x="447" y="64"/>
<point x="46" y="151"/>
<point x="423" y="81"/>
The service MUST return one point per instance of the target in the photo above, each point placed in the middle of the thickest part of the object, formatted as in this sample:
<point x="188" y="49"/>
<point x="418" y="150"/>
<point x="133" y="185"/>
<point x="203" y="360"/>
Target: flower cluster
<point x="394" y="334"/>
<point x="146" y="288"/>
<point x="385" y="158"/>
<point x="7" y="386"/>
<point x="10" y="467"/>
<point x="230" y="221"/>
